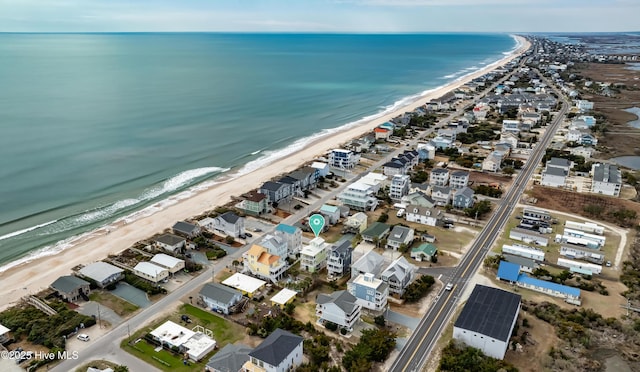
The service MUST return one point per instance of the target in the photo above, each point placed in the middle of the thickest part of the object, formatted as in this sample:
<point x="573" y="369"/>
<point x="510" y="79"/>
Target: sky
<point x="360" y="16"/>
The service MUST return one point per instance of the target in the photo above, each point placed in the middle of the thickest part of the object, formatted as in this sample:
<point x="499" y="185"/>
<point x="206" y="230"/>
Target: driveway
<point x="132" y="294"/>
<point x="91" y="308"/>
<point x="407" y="321"/>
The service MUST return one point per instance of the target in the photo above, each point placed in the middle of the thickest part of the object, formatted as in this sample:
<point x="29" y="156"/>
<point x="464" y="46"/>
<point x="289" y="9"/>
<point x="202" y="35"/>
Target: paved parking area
<point x="132" y="294"/>
<point x="106" y="314"/>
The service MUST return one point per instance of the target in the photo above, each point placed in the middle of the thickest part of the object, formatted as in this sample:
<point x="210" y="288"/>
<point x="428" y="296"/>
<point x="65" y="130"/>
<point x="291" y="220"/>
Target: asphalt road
<point x="108" y="346"/>
<point x="413" y="356"/>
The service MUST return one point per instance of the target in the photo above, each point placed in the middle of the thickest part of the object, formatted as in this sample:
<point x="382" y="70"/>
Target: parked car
<point x="608" y="263"/>
<point x="185" y="318"/>
<point x="83" y="337"/>
<point x="249" y="235"/>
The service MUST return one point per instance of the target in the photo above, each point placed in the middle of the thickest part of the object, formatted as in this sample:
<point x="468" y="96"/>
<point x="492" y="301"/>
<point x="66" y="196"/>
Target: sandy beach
<point x="34" y="276"/>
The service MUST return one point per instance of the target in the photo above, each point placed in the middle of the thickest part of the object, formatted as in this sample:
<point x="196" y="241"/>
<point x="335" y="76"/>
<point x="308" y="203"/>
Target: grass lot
<point x="224" y="332"/>
<point x="120" y="306"/>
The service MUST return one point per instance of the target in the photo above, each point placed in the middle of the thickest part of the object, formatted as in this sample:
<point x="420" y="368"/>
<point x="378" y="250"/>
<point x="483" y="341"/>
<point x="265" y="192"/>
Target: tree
<point x="383" y="217"/>
<point x="121" y="369"/>
<point x="403" y="248"/>
<point x="479" y="209"/>
<point x="508" y="170"/>
<point x="289" y="308"/>
<point x="380" y="320"/>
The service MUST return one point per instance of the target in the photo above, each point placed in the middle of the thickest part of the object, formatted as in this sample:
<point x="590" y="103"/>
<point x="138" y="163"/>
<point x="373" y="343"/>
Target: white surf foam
<point x="20" y="232"/>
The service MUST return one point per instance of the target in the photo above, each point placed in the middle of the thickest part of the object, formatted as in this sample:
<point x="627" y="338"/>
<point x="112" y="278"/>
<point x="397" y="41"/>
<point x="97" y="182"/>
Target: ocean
<point x="100" y="127"/>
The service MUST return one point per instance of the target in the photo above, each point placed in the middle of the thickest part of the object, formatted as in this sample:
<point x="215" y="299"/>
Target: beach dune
<point x="31" y="277"/>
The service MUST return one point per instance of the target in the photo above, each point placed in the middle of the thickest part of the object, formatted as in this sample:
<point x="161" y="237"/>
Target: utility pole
<point x="99" y="323"/>
<point x="128" y="332"/>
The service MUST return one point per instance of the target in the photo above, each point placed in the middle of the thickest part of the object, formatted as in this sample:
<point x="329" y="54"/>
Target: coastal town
<point x="487" y="224"/>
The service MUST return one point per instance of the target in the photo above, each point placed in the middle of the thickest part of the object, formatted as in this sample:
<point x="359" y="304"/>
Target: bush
<point x="331" y="326"/>
<point x="380" y="320"/>
<point x="343" y="331"/>
<point x="418" y="289"/>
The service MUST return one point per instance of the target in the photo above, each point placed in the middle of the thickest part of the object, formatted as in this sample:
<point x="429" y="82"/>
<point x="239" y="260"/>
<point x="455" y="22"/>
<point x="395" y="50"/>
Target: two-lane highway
<point x="413" y="356"/>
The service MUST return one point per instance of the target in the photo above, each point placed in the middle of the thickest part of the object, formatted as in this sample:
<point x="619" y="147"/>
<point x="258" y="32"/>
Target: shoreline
<point x="35" y="275"/>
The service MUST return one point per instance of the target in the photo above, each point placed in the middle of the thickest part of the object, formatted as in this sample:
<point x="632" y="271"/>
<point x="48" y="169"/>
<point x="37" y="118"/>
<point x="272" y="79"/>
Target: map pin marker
<point x="316" y="222"/>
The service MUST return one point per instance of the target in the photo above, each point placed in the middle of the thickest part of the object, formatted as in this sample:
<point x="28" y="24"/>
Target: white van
<point x="400" y="212"/>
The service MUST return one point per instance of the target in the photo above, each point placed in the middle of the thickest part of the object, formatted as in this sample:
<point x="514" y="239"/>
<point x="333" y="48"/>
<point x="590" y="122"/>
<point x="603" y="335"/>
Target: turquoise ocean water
<point x="97" y="127"/>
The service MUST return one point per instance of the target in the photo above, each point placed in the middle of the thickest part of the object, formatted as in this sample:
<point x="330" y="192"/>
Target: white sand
<point x="34" y="276"/>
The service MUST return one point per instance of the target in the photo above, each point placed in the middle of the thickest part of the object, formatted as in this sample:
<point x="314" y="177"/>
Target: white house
<point x="293" y="237"/>
<point x="323" y="168"/>
<point x="229" y="223"/>
<point x="441" y="195"/>
<point x="607" y="179"/>
<point x="281" y="351"/>
<point x="554" y="177"/>
<point x="102" y="273"/>
<point x="170" y="243"/>
<point x="340" y="307"/>
<point x="492" y="162"/>
<point x="170" y="263"/>
<point x="399" y="186"/>
<point x="195" y="344"/>
<point x="218" y="297"/>
<point x="399" y="275"/>
<point x="511" y="126"/>
<point x="584" y="105"/>
<point x="151" y="272"/>
<point x="459" y="179"/>
<point x="343" y="159"/>
<point x="423" y="215"/>
<point x="359" y="196"/>
<point x="487" y="320"/>
<point x="439" y="177"/>
<point x="400" y="235"/>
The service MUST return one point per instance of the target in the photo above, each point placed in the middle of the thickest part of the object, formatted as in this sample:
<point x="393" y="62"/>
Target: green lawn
<point x="224" y="332"/>
<point x="118" y="305"/>
<point x="162" y="359"/>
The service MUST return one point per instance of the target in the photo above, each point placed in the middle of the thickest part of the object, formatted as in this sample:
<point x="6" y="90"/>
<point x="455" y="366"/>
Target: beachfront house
<point x="281" y="351"/>
<point x="170" y="263"/>
<point x="313" y="257"/>
<point x="607" y="179"/>
<point x="343" y="159"/>
<point x="323" y="168"/>
<point x="229" y="223"/>
<point x="186" y="229"/>
<point x="71" y="288"/>
<point x="463" y="198"/>
<point x="424" y="252"/>
<point x="254" y="203"/>
<point x="339" y="261"/>
<point x="370" y="292"/>
<point x="170" y="243"/>
<point x="306" y="176"/>
<point x="259" y="262"/>
<point x="219" y="298"/>
<point x="439" y="177"/>
<point x="276" y="191"/>
<point x="151" y="272"/>
<point x="400" y="235"/>
<point x="340" y="307"/>
<point x="487" y="320"/>
<point x="292" y="236"/>
<point x="399" y="275"/>
<point x="102" y="273"/>
<point x="331" y="213"/>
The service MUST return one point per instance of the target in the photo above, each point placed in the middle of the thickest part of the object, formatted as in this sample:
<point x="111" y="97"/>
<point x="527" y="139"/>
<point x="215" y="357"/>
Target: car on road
<point x="448" y="287"/>
<point x="83" y="337"/>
